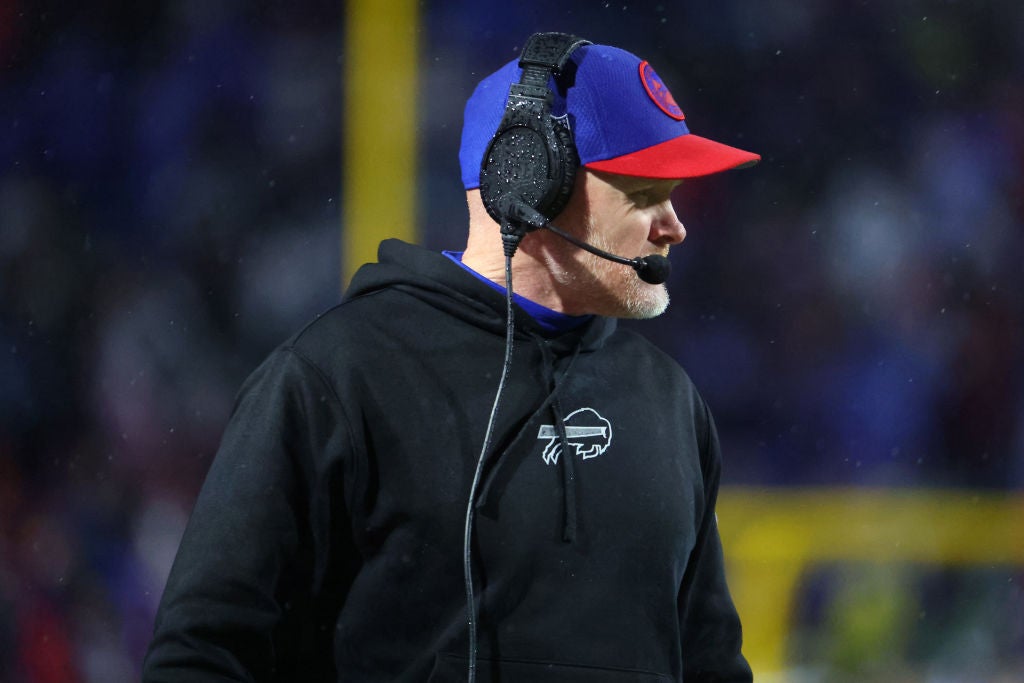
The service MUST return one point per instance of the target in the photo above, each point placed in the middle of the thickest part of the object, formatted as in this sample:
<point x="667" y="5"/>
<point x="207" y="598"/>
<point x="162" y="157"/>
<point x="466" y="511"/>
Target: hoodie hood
<point x="435" y="279"/>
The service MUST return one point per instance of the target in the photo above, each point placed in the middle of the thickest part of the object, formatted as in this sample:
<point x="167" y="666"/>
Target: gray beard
<point x="610" y="289"/>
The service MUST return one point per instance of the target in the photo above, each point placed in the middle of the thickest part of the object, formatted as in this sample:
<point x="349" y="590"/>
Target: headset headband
<point x="546" y="54"/>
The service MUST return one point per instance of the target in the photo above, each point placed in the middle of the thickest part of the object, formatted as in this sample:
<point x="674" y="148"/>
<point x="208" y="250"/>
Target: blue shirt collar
<point x="550" y="320"/>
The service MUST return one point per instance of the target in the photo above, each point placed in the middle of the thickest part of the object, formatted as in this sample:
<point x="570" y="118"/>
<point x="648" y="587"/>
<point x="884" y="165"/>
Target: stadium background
<point x="183" y="184"/>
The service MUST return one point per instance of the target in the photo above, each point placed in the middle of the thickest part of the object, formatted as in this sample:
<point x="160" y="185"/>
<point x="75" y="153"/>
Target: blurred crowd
<point x="170" y="192"/>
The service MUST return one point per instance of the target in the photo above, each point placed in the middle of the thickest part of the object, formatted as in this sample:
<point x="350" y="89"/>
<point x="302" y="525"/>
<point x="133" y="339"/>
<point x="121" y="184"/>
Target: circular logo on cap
<point x="658" y="91"/>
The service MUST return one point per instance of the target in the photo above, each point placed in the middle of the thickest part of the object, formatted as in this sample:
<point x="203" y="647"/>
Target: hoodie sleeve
<point x="246" y="597"/>
<point x="711" y="630"/>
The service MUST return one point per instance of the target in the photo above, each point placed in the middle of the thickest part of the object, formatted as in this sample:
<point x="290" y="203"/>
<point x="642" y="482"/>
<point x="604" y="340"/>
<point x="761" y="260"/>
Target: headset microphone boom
<point x="653" y="269"/>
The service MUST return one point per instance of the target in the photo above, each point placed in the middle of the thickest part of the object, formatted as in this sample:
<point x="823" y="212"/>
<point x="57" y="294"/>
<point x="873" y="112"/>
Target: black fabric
<point x="326" y="543"/>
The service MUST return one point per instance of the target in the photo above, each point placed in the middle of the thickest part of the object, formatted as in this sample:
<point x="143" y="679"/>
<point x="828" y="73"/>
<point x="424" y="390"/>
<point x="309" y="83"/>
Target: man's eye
<point x="643" y="198"/>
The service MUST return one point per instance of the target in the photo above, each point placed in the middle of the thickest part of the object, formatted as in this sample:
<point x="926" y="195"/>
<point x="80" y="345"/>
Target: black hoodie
<point x="326" y="543"/>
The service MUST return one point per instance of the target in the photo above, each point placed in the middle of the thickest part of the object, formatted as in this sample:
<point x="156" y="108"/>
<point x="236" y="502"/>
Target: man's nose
<point x="666" y="229"/>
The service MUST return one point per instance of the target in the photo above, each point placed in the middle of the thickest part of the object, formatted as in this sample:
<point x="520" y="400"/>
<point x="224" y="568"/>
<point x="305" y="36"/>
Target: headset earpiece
<point x="532" y="157"/>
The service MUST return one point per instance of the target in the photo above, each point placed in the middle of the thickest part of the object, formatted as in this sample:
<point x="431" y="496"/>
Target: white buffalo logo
<point x="587" y="432"/>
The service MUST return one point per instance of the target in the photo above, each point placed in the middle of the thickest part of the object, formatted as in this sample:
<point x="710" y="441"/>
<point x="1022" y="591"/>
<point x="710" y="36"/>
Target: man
<point x="329" y="540"/>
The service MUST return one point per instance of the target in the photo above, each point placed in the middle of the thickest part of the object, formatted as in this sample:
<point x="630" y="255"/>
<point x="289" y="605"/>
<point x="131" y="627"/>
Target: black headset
<point x="532" y="158"/>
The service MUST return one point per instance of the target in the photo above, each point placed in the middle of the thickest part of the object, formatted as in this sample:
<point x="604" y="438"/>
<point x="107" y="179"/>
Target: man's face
<point x="626" y="216"/>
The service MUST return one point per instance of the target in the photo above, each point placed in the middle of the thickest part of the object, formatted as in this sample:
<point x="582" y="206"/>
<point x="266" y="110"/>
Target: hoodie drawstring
<point x="568" y="478"/>
<point x="567" y="464"/>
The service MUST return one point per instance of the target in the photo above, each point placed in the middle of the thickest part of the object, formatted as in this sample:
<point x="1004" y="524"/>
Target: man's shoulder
<point x="360" y="328"/>
<point x="649" y="361"/>
<point x="343" y="328"/>
<point x="631" y="342"/>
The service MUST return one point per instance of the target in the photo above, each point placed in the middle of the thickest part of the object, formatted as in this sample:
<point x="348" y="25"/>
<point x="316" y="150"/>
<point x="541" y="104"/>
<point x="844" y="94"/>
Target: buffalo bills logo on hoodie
<point x="588" y="434"/>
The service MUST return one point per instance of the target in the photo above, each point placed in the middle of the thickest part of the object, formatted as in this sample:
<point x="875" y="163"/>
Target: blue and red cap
<point x="623" y="118"/>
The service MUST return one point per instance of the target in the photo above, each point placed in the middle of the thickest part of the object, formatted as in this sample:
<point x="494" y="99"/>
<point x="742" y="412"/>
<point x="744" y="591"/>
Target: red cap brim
<point x="687" y="156"/>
